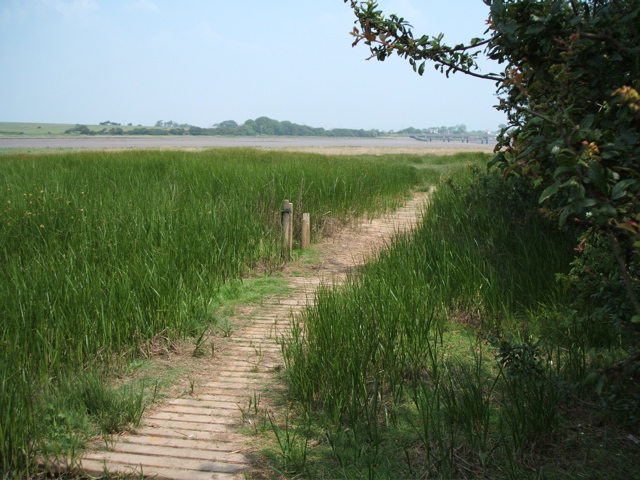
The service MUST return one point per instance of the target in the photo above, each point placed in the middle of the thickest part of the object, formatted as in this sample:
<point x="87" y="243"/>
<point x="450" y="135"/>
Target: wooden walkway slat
<point x="96" y="468"/>
<point x="223" y="448"/>
<point x="169" y="451"/>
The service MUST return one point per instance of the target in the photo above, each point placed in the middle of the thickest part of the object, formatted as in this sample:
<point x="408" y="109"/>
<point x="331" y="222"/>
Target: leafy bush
<point x="569" y="85"/>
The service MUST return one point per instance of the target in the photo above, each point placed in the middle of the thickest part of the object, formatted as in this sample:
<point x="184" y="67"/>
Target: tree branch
<point x="530" y="112"/>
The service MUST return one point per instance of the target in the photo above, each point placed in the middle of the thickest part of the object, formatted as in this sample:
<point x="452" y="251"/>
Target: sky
<point x="205" y="61"/>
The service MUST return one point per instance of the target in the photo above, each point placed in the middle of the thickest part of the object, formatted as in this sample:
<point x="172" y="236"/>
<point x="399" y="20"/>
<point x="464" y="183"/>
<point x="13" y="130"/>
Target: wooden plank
<point x="185" y="417"/>
<point x="201" y="410"/>
<point x="235" y="364"/>
<point x="201" y="403"/>
<point x="237" y="385"/>
<point x="226" y="448"/>
<point x="189" y="434"/>
<point x="180" y="452"/>
<point x="96" y="468"/>
<point x="231" y="376"/>
<point x="217" y="396"/>
<point x="188" y="426"/>
<point x="255" y="338"/>
<point x="164" y="462"/>
<point x="250" y="351"/>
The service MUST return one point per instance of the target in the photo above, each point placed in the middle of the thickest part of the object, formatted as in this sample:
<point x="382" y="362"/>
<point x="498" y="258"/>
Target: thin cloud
<point x="74" y="8"/>
<point x="204" y="31"/>
<point x="142" y="6"/>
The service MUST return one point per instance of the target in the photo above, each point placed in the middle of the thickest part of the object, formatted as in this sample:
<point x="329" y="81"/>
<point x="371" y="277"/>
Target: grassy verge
<point x="455" y="355"/>
<point x="104" y="252"/>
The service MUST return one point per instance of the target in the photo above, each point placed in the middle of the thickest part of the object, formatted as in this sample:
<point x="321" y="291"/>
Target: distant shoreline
<point x="276" y="142"/>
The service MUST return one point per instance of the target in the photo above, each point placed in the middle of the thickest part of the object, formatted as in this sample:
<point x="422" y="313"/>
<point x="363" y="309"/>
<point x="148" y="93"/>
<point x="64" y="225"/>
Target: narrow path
<point x="199" y="435"/>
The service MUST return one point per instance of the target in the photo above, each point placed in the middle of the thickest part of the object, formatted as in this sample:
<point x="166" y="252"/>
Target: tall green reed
<point x="395" y="337"/>
<point x="101" y="251"/>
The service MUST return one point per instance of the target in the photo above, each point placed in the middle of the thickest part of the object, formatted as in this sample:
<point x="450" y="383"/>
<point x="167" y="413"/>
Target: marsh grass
<point x="73" y="410"/>
<point x="102" y="252"/>
<point x="450" y="356"/>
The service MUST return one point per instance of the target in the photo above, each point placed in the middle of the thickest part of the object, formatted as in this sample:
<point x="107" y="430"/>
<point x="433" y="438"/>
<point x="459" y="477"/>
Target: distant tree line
<point x="171" y="124"/>
<point x="259" y="126"/>
<point x="84" y="130"/>
<point x="268" y="126"/>
<point x="456" y="129"/>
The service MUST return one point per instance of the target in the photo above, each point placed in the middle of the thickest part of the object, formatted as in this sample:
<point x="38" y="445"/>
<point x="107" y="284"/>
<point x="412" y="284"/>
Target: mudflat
<point x="328" y="145"/>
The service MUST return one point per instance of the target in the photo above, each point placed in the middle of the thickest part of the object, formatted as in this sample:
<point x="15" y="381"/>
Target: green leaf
<point x="583" y="135"/>
<point x="566" y="158"/>
<point x="587" y="121"/>
<point x="588" y="203"/>
<point x="596" y="173"/>
<point x="629" y="136"/>
<point x="560" y="171"/>
<point x="497" y="8"/>
<point x="635" y="319"/>
<point x="620" y="189"/>
<point x="591" y="378"/>
<point x="606" y="211"/>
<point x="609" y="153"/>
<point x="549" y="191"/>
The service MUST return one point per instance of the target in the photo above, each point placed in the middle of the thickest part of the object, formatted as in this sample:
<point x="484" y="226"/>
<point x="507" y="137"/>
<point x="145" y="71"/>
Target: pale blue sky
<point x="204" y="61"/>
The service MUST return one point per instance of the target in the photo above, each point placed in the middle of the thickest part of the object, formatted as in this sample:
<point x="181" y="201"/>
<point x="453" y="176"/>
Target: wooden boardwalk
<point x="198" y="436"/>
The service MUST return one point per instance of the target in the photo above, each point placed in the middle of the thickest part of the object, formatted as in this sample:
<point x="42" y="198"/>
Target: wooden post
<point x="290" y="229"/>
<point x="306" y="231"/>
<point x="287" y="228"/>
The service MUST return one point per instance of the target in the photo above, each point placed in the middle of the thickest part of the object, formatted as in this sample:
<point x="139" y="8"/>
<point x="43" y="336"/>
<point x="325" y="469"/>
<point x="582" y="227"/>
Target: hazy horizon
<point x="202" y="62"/>
<point x="111" y="123"/>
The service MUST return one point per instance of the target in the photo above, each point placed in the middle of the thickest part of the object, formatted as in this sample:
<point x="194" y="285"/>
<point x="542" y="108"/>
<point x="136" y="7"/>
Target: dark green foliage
<point x="81" y="130"/>
<point x="227" y="123"/>
<point x="569" y="86"/>
<point x="521" y="360"/>
<point x="600" y="292"/>
<point x="569" y="90"/>
<point x="268" y="126"/>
